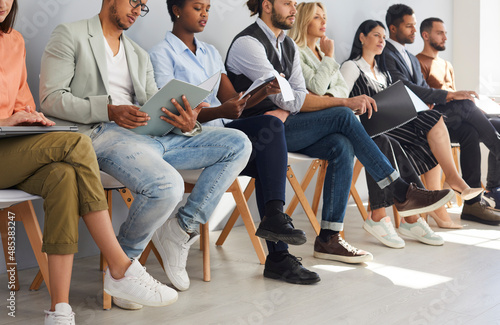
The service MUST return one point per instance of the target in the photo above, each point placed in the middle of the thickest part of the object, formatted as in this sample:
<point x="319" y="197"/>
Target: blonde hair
<point x="304" y="16"/>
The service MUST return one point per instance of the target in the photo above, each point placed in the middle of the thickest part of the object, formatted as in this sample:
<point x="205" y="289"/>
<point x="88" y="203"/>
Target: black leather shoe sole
<point x="294" y="280"/>
<point x="297" y="239"/>
<point x="471" y="217"/>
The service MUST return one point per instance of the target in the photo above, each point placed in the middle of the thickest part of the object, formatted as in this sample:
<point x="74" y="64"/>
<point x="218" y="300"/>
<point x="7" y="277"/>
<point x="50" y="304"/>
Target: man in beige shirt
<point x="439" y="74"/>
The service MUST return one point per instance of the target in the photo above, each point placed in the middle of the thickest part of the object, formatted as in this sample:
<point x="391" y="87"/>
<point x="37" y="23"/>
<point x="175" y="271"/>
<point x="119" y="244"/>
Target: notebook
<point x="13" y="131"/>
<point x="173" y="89"/>
<point x="396" y="106"/>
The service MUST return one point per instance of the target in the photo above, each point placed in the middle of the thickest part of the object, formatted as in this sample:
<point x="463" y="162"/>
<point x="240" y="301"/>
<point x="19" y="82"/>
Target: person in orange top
<point x="63" y="169"/>
<point x="439" y="74"/>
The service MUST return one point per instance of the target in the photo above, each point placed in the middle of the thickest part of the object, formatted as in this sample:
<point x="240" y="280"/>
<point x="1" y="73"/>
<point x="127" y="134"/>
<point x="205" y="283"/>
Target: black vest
<point x="242" y="83"/>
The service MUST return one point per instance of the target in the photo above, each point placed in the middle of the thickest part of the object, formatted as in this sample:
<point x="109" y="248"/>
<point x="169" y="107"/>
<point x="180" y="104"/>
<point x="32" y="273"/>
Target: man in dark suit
<point x="466" y="124"/>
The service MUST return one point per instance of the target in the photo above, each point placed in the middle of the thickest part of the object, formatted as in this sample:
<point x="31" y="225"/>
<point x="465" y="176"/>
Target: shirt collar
<point x="179" y="46"/>
<point x="400" y="47"/>
<point x="364" y="65"/>
<point x="269" y="33"/>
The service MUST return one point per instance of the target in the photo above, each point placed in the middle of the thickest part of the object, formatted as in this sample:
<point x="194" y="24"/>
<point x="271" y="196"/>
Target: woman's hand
<point x="27" y="117"/>
<point x="279" y="113"/>
<point x="233" y="107"/>
<point x="186" y="120"/>
<point x="327" y="46"/>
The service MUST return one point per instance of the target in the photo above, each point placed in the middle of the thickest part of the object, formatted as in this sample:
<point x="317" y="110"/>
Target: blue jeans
<point x="147" y="166"/>
<point x="335" y="134"/>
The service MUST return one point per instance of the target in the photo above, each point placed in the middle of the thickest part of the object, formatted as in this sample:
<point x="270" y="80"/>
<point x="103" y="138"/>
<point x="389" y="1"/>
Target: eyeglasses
<point x="137" y="3"/>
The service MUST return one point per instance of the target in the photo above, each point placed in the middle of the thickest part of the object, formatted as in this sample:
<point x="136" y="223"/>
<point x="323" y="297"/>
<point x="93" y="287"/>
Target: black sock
<point x="277" y="256"/>
<point x="325" y="234"/>
<point x="273" y="207"/>
<point x="399" y="188"/>
<point x="473" y="200"/>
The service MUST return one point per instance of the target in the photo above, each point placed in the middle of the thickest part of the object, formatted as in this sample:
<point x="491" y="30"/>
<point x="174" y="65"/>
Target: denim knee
<point x="166" y="188"/>
<point x="342" y="150"/>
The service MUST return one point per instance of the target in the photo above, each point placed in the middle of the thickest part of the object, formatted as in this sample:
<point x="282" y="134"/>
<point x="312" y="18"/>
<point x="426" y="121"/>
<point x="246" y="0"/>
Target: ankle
<point x="378" y="214"/>
<point x="411" y="219"/>
<point x="117" y="271"/>
<point x="325" y="234"/>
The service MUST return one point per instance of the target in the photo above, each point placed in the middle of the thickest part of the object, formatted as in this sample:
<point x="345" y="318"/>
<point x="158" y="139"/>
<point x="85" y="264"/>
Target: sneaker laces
<point x="390" y="229"/>
<point x="62" y="319"/>
<point x="347" y="246"/>
<point x="426" y="227"/>
<point x="147" y="281"/>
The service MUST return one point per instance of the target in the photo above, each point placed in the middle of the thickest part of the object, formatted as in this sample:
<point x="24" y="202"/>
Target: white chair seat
<point x="190" y="176"/>
<point x="11" y="197"/>
<point x="109" y="182"/>
<point x="296" y="157"/>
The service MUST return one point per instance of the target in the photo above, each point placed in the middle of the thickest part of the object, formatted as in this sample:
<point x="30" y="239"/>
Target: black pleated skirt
<point x="413" y="138"/>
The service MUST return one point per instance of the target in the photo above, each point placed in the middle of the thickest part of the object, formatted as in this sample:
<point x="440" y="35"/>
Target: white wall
<point x="489" y="81"/>
<point x="38" y="18"/>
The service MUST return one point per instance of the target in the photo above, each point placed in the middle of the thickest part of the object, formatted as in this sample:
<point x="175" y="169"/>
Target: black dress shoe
<point x="290" y="270"/>
<point x="280" y="227"/>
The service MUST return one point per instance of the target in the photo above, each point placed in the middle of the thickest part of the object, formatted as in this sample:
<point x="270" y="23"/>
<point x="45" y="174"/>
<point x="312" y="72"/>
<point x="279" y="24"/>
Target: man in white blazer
<point x="94" y="76"/>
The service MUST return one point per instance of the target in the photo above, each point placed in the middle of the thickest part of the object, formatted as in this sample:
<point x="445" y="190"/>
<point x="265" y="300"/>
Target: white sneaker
<point x="384" y="232"/>
<point x="140" y="287"/>
<point x="173" y="244"/>
<point x="126" y="304"/>
<point x="63" y="315"/>
<point x="421" y="231"/>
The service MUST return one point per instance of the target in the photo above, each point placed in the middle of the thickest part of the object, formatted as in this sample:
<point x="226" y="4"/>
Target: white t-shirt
<point x="120" y="84"/>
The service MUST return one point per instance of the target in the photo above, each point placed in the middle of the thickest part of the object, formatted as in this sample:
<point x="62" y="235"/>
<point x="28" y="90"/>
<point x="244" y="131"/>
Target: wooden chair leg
<point x="313" y="167"/>
<point x="241" y="204"/>
<point x="145" y="253"/>
<point x="9" y="259"/>
<point x="320" y="181"/>
<point x="204" y="231"/>
<point x="299" y="193"/>
<point x="27" y="215"/>
<point x="126" y="196"/>
<point x="236" y="213"/>
<point x="397" y="217"/>
<point x="37" y="281"/>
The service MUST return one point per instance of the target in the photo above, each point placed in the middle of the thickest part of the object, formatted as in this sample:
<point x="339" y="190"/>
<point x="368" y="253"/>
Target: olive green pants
<point x="62" y="168"/>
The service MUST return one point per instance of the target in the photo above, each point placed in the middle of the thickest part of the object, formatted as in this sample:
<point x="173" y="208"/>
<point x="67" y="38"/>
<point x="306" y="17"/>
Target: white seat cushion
<point x="11" y="197"/>
<point x="190" y="176"/>
<point x="109" y="182"/>
<point x="292" y="156"/>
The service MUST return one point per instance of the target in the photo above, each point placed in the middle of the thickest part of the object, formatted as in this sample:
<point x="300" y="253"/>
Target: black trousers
<point x="468" y="126"/>
<point x="267" y="163"/>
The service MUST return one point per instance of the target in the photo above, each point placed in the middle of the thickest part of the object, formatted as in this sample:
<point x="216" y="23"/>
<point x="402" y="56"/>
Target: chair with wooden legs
<point x="15" y="205"/>
<point x="320" y="166"/>
<point x="316" y="165"/>
<point x="190" y="178"/>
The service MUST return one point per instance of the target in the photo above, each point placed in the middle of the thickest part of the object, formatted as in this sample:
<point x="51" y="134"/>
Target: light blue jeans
<point x="148" y="167"/>
<point x="336" y="135"/>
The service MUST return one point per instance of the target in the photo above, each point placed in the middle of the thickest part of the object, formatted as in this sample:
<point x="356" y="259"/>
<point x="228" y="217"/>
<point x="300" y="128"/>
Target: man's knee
<point x="168" y="188"/>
